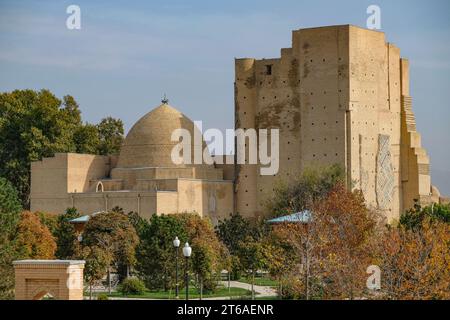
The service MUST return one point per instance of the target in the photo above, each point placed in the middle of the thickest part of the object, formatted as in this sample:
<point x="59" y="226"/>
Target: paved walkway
<point x="261" y="291"/>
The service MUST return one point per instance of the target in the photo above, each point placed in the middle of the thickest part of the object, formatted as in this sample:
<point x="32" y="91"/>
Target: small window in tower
<point x="99" y="187"/>
<point x="269" y="69"/>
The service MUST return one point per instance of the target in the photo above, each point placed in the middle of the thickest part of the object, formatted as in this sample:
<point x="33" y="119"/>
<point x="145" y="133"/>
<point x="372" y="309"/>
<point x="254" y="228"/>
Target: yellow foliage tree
<point x="331" y="251"/>
<point x="34" y="240"/>
<point x="415" y="263"/>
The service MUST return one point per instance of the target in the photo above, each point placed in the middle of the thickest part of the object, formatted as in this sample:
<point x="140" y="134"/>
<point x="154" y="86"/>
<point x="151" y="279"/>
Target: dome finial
<point x="165" y="100"/>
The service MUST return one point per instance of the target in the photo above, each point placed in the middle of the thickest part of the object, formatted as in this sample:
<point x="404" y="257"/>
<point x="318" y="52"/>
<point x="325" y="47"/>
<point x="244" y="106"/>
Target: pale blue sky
<point x="128" y="53"/>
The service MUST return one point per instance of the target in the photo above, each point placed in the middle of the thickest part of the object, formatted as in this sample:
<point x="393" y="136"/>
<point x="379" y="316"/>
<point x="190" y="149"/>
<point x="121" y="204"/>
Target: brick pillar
<point x="63" y="279"/>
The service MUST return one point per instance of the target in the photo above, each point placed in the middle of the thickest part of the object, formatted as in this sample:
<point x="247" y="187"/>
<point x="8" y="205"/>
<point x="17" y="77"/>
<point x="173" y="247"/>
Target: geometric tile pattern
<point x="385" y="173"/>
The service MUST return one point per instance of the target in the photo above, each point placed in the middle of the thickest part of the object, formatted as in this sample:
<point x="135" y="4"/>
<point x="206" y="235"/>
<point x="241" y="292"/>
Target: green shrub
<point x="414" y="217"/>
<point x="132" y="286"/>
<point x="102" y="296"/>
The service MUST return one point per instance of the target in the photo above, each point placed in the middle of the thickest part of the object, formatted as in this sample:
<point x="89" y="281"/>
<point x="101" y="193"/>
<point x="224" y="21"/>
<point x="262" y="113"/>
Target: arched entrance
<point x="44" y="295"/>
<point x="49" y="279"/>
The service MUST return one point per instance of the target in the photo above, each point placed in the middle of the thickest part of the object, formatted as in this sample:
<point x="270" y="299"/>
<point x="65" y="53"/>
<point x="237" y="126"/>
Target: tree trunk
<point x="109" y="280"/>
<point x="253" y="281"/>
<point x="306" y="266"/>
<point x="307" y="278"/>
<point x="201" y="288"/>
<point x="165" y="280"/>
<point x="280" y="292"/>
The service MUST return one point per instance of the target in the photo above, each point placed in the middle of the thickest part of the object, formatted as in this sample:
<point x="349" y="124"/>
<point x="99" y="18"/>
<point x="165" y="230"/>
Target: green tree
<point x="156" y="254"/>
<point x="10" y="209"/>
<point x="86" y="139"/>
<point x="65" y="234"/>
<point x="202" y="262"/>
<point x="132" y="286"/>
<point x="49" y="220"/>
<point x="36" y="124"/>
<point x="312" y="185"/>
<point x="139" y="223"/>
<point x="33" y="125"/>
<point x="234" y="230"/>
<point x="253" y="258"/>
<point x="414" y="217"/>
<point x="97" y="263"/>
<point x="110" y="134"/>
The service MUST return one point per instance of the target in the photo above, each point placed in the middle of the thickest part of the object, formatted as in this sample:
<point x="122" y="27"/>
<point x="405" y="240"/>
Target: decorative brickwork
<point x="61" y="279"/>
<point x="385" y="176"/>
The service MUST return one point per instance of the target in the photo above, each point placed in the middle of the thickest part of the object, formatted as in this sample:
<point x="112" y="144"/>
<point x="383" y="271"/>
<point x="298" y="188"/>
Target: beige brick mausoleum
<point x="340" y="94"/>
<point x="142" y="179"/>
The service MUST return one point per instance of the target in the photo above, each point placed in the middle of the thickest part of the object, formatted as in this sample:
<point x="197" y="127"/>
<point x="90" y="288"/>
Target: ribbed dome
<point x="148" y="144"/>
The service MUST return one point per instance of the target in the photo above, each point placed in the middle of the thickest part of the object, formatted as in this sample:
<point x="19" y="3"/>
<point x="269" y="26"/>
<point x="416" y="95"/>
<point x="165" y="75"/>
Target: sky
<point x="127" y="54"/>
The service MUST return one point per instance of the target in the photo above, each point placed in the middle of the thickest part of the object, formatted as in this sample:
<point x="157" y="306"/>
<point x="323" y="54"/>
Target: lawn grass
<point x="260" y="281"/>
<point x="249" y="297"/>
<point x="193" y="294"/>
<point x="268" y="298"/>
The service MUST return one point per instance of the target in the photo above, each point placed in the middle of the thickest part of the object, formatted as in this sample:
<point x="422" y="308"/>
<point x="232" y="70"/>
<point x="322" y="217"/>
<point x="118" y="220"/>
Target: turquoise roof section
<point x="85" y="218"/>
<point x="299" y="217"/>
<point x="82" y="219"/>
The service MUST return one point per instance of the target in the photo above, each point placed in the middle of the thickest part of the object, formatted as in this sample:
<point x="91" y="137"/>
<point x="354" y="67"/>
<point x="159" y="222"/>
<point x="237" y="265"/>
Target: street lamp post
<point x="187" y="250"/>
<point x="176" y="244"/>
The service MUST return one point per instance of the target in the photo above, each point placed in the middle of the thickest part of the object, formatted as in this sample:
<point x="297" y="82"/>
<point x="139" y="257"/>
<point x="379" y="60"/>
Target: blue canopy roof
<point x="299" y="217"/>
<point x="85" y="218"/>
<point x="82" y="219"/>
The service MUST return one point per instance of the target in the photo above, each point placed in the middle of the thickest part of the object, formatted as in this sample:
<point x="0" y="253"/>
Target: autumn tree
<point x="415" y="262"/>
<point x="280" y="259"/>
<point x="207" y="250"/>
<point x="113" y="233"/>
<point x="34" y="240"/>
<point x="346" y="228"/>
<point x="331" y="249"/>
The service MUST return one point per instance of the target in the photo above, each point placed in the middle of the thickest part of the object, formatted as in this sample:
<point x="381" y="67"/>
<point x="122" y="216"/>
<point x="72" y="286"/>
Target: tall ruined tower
<point x="339" y="95"/>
